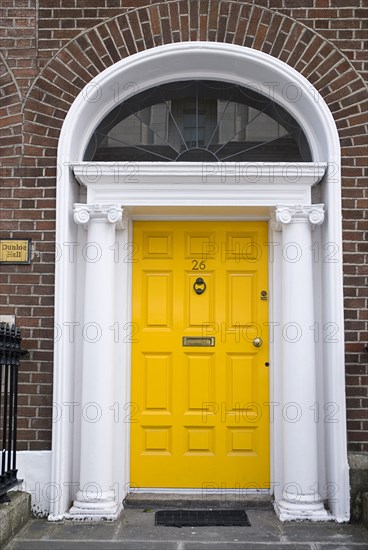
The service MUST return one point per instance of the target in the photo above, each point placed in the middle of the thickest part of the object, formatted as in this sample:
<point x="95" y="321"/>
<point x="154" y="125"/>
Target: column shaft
<point x="301" y="497"/>
<point x="95" y="497"/>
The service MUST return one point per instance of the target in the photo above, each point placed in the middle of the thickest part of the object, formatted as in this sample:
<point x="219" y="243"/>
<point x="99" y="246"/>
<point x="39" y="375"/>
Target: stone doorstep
<point x="14" y="515"/>
<point x="358" y="463"/>
<point x="204" y="501"/>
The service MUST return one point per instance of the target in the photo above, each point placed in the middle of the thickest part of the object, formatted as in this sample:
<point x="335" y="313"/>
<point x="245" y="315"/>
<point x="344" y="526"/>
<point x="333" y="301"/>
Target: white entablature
<point x="193" y="183"/>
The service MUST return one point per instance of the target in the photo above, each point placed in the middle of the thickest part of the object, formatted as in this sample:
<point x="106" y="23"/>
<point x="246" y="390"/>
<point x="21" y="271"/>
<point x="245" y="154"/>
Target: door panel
<point x="202" y="418"/>
<point x="199" y="312"/>
<point x="159" y="299"/>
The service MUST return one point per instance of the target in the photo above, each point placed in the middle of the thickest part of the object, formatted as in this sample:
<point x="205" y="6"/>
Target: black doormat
<point x="202" y="518"/>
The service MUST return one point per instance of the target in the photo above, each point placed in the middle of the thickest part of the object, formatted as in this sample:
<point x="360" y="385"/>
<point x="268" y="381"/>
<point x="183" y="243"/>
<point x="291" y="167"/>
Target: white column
<point x="300" y="494"/>
<point x="95" y="498"/>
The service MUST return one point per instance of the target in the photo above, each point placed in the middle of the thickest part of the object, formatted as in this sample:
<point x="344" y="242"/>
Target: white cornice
<point x="191" y="183"/>
<point x="244" y="174"/>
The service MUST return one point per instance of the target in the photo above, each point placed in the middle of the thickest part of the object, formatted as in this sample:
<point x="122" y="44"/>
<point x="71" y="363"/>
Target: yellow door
<point x="199" y="383"/>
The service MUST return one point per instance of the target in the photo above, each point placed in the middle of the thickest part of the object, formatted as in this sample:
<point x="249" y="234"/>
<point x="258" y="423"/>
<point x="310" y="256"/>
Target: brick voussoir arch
<point x="11" y="116"/>
<point x="164" y="22"/>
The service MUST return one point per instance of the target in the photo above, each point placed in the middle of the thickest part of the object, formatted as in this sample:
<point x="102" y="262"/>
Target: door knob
<point x="257" y="342"/>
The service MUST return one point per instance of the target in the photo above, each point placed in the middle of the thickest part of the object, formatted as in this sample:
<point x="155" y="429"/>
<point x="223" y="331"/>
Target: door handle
<point x="257" y="342"/>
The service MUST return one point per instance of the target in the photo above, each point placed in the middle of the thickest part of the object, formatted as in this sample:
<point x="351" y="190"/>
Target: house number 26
<point x="198" y="265"/>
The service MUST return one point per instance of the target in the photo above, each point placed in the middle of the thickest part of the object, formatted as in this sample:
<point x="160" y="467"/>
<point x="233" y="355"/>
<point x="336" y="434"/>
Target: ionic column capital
<point x="284" y="215"/>
<point x="106" y="213"/>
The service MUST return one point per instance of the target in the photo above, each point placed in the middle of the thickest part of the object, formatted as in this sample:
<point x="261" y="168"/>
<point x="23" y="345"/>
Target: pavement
<point x="136" y="530"/>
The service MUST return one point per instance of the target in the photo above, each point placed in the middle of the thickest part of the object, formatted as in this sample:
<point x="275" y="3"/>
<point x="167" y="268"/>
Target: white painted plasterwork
<point x="95" y="497"/>
<point x="160" y="193"/>
<point x="212" y="184"/>
<point x="301" y="496"/>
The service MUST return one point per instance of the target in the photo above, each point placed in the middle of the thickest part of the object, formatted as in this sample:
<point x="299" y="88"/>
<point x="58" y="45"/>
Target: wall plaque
<point x="15" y="251"/>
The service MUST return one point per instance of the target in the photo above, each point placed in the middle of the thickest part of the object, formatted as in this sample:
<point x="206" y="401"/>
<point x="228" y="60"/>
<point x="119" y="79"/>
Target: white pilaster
<point x="300" y="494"/>
<point x="95" y="498"/>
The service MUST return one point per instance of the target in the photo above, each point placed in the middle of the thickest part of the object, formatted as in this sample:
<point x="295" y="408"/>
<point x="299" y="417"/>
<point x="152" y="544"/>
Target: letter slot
<point x="197" y="341"/>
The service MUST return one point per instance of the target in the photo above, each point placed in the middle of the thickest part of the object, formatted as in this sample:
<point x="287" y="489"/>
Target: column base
<point x="101" y="509"/>
<point x="304" y="507"/>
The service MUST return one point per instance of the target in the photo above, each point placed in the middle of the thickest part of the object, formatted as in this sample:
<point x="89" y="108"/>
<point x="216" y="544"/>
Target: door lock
<point x="257" y="342"/>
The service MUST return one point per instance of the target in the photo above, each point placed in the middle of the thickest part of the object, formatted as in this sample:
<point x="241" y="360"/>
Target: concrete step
<point x="176" y="545"/>
<point x="14" y="515"/>
<point x="136" y="530"/>
<point x="259" y="501"/>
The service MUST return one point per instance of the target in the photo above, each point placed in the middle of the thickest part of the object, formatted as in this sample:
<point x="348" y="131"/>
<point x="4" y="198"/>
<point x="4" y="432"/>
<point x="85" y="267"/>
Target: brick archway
<point x="240" y="23"/>
<point x="11" y="115"/>
<point x="11" y="141"/>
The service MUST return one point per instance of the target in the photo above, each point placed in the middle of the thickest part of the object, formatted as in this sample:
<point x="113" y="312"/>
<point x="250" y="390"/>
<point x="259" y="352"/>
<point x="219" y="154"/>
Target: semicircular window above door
<point x="199" y="121"/>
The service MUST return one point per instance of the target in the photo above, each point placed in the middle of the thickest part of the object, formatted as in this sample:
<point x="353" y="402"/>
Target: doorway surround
<point x="96" y="217"/>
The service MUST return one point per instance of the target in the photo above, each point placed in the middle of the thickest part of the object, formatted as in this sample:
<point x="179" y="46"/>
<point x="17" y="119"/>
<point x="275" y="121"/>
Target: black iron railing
<point x="10" y="351"/>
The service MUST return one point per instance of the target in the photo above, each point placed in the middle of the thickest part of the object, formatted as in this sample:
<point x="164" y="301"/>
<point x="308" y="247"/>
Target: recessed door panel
<point x="156" y="441"/>
<point x="240" y="288"/>
<point x="199" y="312"/>
<point x="242" y="246"/>
<point x="200" y="380"/>
<point x="158" y="298"/>
<point x="241" y="441"/>
<point x="157" y="383"/>
<point x="240" y="379"/>
<point x="199" y="245"/>
<point x="157" y="245"/>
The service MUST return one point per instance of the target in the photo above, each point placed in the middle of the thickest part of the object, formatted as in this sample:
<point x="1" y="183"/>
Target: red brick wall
<point x="51" y="52"/>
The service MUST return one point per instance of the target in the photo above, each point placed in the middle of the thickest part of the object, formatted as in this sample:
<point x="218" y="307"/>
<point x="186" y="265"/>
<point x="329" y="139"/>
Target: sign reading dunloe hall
<point x="15" y="251"/>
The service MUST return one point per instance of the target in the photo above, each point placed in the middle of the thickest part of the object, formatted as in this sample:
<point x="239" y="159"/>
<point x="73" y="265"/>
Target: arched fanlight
<point x="199" y="120"/>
